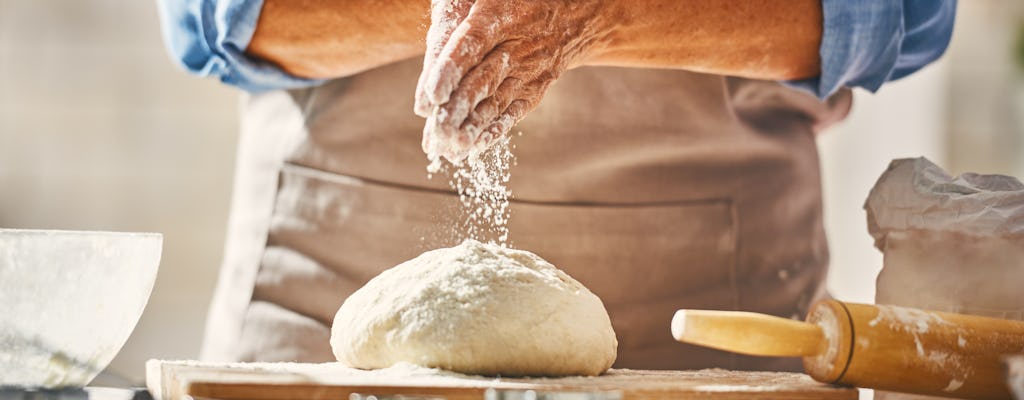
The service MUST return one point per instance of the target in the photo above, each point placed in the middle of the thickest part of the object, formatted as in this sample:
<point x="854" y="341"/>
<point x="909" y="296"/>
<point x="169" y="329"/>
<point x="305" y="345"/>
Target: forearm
<point x="335" y="38"/>
<point x="755" y="39"/>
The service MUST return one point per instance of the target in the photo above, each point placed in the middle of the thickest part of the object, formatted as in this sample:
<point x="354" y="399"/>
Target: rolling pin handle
<point x="748" y="333"/>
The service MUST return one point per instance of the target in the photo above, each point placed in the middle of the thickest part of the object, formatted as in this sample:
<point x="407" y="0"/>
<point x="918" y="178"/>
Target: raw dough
<point x="478" y="309"/>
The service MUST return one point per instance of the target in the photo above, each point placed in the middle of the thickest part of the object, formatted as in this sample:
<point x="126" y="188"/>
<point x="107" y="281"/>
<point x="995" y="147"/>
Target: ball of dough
<point x="478" y="309"/>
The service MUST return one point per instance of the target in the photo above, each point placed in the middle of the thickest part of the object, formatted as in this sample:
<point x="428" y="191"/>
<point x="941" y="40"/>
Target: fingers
<point x="438" y="143"/>
<point x="508" y="106"/>
<point x="458" y="124"/>
<point x="512" y="115"/>
<point x="499" y="114"/>
<point x="488" y="110"/>
<point x="466" y="48"/>
<point x="503" y="124"/>
<point x="445" y="16"/>
<point x="431" y="144"/>
<point x="426" y="142"/>
<point x="481" y="83"/>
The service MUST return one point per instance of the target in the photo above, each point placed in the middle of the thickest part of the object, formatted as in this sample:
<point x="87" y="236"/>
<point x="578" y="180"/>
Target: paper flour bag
<point x="949" y="244"/>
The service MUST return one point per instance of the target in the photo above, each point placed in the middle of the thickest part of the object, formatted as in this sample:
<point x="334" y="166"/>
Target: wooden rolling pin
<point x="878" y="347"/>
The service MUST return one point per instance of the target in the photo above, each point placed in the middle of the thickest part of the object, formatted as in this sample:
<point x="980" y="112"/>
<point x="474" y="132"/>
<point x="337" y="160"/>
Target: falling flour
<point x="481" y="181"/>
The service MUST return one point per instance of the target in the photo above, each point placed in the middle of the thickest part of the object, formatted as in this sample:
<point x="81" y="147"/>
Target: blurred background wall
<point x="964" y="112"/>
<point x="100" y="131"/>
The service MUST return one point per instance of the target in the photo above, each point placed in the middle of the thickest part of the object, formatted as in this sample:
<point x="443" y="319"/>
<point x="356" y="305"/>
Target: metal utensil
<point x="70" y="300"/>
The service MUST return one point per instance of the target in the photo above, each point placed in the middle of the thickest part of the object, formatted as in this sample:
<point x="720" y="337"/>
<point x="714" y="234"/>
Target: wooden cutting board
<point x="180" y="380"/>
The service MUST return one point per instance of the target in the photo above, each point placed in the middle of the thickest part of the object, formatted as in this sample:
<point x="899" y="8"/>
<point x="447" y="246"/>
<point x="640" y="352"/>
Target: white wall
<point x="965" y="112"/>
<point x="986" y="110"/>
<point x="99" y="131"/>
<point x="904" y="119"/>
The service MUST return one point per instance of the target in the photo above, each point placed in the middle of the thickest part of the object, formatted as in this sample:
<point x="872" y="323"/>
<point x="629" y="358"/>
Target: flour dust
<point x="481" y="182"/>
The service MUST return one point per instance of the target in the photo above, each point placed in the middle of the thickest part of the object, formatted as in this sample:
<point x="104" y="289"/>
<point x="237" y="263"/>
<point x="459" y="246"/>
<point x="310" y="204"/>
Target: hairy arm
<point x="754" y="39"/>
<point x="496" y="65"/>
<point x="335" y="38"/>
<point x="489" y="62"/>
<point x="758" y="39"/>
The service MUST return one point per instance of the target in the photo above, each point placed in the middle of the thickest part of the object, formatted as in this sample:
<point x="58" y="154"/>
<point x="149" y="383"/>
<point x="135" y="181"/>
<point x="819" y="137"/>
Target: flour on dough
<point x="478" y="309"/>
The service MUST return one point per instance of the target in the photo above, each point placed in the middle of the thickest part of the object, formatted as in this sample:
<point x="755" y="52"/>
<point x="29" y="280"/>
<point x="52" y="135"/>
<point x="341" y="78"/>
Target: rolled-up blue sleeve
<point x="866" y="43"/>
<point x="209" y="38"/>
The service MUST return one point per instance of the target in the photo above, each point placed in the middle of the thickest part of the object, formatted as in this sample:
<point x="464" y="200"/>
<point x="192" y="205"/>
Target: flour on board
<point x="918" y="323"/>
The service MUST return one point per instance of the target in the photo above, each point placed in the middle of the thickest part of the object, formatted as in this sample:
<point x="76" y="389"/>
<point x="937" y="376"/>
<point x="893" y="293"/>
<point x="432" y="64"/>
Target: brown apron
<point x="657" y="189"/>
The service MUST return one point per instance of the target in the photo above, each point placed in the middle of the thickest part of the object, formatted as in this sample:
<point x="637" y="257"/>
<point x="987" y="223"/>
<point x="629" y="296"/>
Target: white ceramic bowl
<point x="69" y="301"/>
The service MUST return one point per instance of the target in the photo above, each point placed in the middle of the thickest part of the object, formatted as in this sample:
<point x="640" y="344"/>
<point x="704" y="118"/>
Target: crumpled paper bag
<point x="953" y="244"/>
<point x="949" y="244"/>
<point x="915" y="194"/>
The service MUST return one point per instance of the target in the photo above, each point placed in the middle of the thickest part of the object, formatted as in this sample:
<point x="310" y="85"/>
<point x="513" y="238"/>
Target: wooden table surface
<point x="180" y="380"/>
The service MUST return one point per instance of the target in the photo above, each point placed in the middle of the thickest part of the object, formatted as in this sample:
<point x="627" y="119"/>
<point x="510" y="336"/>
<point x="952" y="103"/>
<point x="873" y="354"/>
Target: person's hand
<point x="489" y="62"/>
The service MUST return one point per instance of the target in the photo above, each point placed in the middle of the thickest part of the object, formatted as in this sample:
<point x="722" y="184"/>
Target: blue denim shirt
<point x="865" y="43"/>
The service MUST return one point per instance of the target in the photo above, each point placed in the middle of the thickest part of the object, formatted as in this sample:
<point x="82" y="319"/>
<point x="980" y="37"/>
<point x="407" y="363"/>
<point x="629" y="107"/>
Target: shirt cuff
<point x="859" y="42"/>
<point x="209" y="38"/>
<point x="867" y="43"/>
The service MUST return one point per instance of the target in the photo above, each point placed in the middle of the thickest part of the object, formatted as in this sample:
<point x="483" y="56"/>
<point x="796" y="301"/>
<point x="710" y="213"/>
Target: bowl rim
<point x="66" y="232"/>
